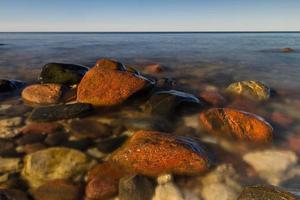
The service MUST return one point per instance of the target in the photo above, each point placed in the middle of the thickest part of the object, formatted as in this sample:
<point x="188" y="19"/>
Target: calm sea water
<point x="223" y="57"/>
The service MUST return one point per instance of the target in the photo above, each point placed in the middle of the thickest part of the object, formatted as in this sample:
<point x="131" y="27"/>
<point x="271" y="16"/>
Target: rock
<point x="165" y="102"/>
<point x="147" y="123"/>
<point x="60" y="73"/>
<point x="80" y="144"/>
<point x="251" y="89"/>
<point x="10" y="165"/>
<point x="57" y="138"/>
<point x="15" y="110"/>
<point x="165" y="83"/>
<point x="12" y="194"/>
<point x="287" y="50"/>
<point x="42" y="128"/>
<point x="282" y="119"/>
<point x="106" y="87"/>
<point x="89" y="128"/>
<point x="236" y="124"/>
<point x="31" y="148"/>
<point x="272" y="165"/>
<point x="7" y="148"/>
<point x="168" y="191"/>
<point x="110" y="144"/>
<point x="59" y="112"/>
<point x="103" y="181"/>
<point x="221" y="184"/>
<point x="10" y="127"/>
<point x="30" y="138"/>
<point x="154" y="68"/>
<point x="136" y="188"/>
<point x="293" y="143"/>
<point x="213" y="98"/>
<point x="54" y="163"/>
<point x="155" y="153"/>
<point x="49" y="93"/>
<point x="58" y="190"/>
<point x="265" y="193"/>
<point x="110" y="64"/>
<point x="9" y="85"/>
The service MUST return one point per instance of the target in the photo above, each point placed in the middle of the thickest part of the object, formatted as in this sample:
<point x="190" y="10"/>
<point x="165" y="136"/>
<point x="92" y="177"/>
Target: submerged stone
<point x="54" y="163"/>
<point x="9" y="85"/>
<point x="61" y="73"/>
<point x="154" y="68"/>
<point x="235" y="124"/>
<point x="10" y="127"/>
<point x="106" y="87"/>
<point x="165" y="102"/>
<point x="265" y="193"/>
<point x="155" y="153"/>
<point x="110" y="144"/>
<point x="251" y="89"/>
<point x="59" y="112"/>
<point x="13" y="194"/>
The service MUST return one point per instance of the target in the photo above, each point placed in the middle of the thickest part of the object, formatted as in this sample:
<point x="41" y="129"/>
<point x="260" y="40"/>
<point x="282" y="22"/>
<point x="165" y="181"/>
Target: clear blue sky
<point x="150" y="15"/>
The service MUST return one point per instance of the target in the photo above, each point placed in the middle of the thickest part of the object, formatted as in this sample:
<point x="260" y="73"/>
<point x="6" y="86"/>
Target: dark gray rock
<point x="12" y="194"/>
<point x="265" y="193"/>
<point x="136" y="188"/>
<point x="59" y="112"/>
<point x="110" y="144"/>
<point x="66" y="74"/>
<point x="10" y="85"/>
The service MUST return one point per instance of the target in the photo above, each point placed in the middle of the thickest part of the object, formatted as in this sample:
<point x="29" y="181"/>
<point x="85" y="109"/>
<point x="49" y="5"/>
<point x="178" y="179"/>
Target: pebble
<point x="10" y="127"/>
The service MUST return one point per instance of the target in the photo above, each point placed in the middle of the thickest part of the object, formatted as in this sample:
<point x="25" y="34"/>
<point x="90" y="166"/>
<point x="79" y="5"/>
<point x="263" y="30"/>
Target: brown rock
<point x="105" y="87"/>
<point x="31" y="148"/>
<point x="154" y="68"/>
<point x="43" y="93"/>
<point x="282" y="119"/>
<point x="44" y="128"/>
<point x="213" y="98"/>
<point x="236" y="124"/>
<point x="287" y="50"/>
<point x="103" y="181"/>
<point x="155" y="153"/>
<point x="58" y="190"/>
<point x="110" y="64"/>
<point x="12" y="194"/>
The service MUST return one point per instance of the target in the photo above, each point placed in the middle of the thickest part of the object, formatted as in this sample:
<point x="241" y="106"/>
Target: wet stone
<point x="30" y="138"/>
<point x="10" y="127"/>
<point x="110" y="144"/>
<point x="65" y="74"/>
<point x="12" y="194"/>
<point x="154" y="153"/>
<point x="110" y="64"/>
<point x="287" y="50"/>
<point x="10" y="165"/>
<point x="265" y="193"/>
<point x="7" y="148"/>
<point x="235" y="124"/>
<point x="31" y="148"/>
<point x="80" y="144"/>
<point x="58" y="190"/>
<point x="59" y="112"/>
<point x="42" y="128"/>
<point x="164" y="103"/>
<point x="136" y="188"/>
<point x="57" y="138"/>
<point x="9" y="85"/>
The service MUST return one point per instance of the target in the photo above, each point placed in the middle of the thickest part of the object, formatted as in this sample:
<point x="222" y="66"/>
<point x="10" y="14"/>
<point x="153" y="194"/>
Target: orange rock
<point x="49" y="93"/>
<point x="154" y="68"/>
<point x="236" y="124"/>
<point x="110" y="64"/>
<point x="105" y="87"/>
<point x="103" y="181"/>
<point x="154" y="153"/>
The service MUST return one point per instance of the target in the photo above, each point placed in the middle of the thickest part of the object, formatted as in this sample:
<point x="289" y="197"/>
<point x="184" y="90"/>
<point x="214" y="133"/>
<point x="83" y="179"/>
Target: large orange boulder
<point x="236" y="124"/>
<point x="106" y="87"/>
<point x="155" y="153"/>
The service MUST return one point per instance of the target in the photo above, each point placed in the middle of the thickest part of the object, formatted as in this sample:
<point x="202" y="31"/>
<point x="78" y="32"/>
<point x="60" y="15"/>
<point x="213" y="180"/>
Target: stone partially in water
<point x="54" y="163"/>
<point x="12" y="194"/>
<point x="110" y="64"/>
<point x="265" y="193"/>
<point x="61" y="73"/>
<point x="251" y="89"/>
<point x="287" y="50"/>
<point x="43" y="93"/>
<point x="10" y="127"/>
<point x="155" y="153"/>
<point x="106" y="87"/>
<point x="236" y="124"/>
<point x="9" y="85"/>
<point x="136" y="188"/>
<point x="154" y="69"/>
<point x="214" y="98"/>
<point x="59" y="112"/>
<point x="58" y="190"/>
<point x="165" y="102"/>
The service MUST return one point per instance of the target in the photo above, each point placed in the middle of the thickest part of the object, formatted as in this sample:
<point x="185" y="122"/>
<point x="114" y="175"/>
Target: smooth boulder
<point x="62" y="73"/>
<point x="235" y="124"/>
<point x="106" y="87"/>
<point x="254" y="90"/>
<point x="43" y="93"/>
<point x="154" y="153"/>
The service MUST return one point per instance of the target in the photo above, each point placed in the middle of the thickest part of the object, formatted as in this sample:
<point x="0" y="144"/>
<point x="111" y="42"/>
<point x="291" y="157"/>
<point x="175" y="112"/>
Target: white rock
<point x="272" y="165"/>
<point x="192" y="121"/>
<point x="167" y="191"/>
<point x="165" y="178"/>
<point x="219" y="191"/>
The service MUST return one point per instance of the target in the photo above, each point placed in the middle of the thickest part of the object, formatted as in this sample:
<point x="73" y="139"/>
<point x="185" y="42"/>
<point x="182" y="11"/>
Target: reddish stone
<point x="294" y="143"/>
<point x="154" y="68"/>
<point x="58" y="190"/>
<point x="155" y="153"/>
<point x="110" y="64"/>
<point x="105" y="87"/>
<point x="287" y="50"/>
<point x="12" y="194"/>
<point x="282" y="119"/>
<point x="236" y="124"/>
<point x="31" y="148"/>
<point x="45" y="128"/>
<point x="214" y="98"/>
<point x="49" y="93"/>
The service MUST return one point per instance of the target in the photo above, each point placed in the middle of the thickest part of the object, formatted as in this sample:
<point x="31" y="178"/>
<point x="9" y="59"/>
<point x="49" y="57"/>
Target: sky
<point x="150" y="15"/>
